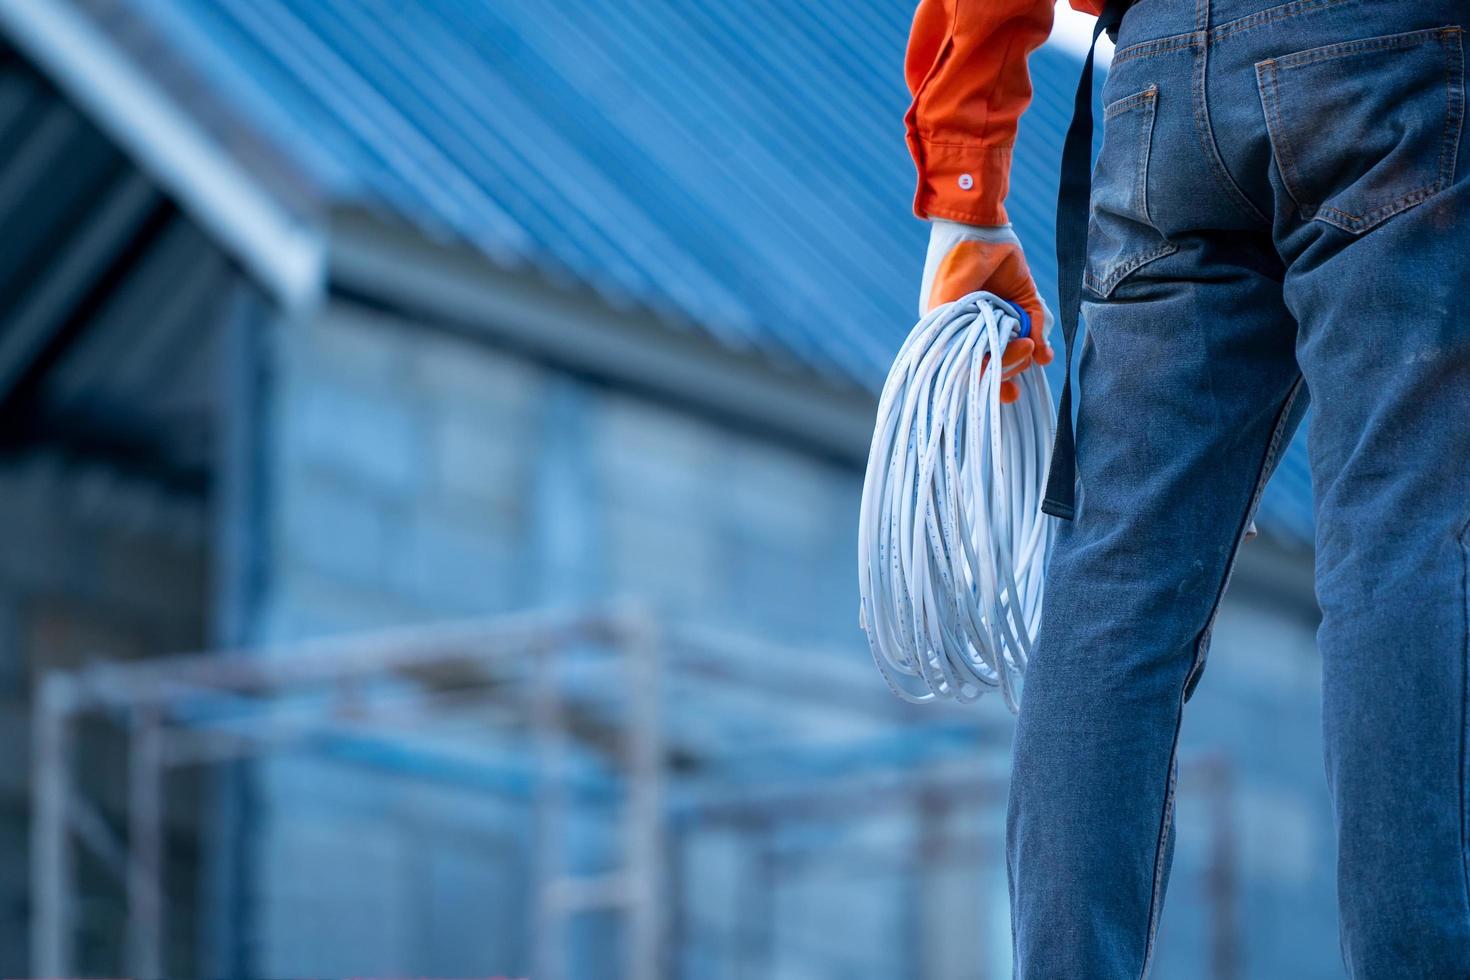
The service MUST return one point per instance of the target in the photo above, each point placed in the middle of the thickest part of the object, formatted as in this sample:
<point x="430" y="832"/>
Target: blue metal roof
<point x="739" y="167"/>
<point x="736" y="168"/>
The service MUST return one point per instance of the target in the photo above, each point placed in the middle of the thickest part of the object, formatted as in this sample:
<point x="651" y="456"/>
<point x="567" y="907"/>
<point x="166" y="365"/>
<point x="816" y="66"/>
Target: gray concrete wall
<point x="419" y="475"/>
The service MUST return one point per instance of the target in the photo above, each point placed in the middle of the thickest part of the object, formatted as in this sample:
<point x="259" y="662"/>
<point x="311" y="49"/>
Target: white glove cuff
<point x="944" y="236"/>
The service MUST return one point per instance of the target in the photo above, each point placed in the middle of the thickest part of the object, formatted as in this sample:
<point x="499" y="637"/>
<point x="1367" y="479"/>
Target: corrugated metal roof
<point x="736" y="168"/>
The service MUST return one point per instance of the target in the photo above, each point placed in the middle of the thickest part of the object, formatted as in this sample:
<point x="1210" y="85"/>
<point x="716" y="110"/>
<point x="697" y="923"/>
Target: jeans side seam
<point x="1464" y="539"/>
<point x="1268" y="465"/>
<point x="1166" y="819"/>
<point x="1155" y="906"/>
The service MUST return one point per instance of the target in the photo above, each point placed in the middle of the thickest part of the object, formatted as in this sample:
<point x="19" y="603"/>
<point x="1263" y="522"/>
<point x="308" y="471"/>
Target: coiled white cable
<point x="952" y="544"/>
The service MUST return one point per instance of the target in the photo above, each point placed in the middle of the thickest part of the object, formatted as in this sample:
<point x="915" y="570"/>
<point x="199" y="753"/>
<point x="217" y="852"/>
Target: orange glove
<point x="965" y="258"/>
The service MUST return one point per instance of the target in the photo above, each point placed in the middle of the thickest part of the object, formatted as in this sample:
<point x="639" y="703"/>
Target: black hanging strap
<point x="1073" y="196"/>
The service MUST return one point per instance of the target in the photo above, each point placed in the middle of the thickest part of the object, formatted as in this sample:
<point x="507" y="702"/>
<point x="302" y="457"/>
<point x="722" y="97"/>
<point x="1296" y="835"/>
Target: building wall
<point x="416" y="475"/>
<point x="95" y="566"/>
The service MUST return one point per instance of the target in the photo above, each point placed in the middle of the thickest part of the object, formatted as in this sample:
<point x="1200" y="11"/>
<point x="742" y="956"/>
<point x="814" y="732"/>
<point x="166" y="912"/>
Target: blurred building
<point x="322" y="318"/>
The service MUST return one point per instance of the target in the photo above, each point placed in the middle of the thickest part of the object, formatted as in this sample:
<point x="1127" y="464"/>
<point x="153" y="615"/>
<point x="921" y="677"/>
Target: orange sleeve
<point x="966" y="70"/>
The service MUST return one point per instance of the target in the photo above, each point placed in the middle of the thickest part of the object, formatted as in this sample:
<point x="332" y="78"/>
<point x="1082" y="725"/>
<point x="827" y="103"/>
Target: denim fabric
<point x="1280" y="205"/>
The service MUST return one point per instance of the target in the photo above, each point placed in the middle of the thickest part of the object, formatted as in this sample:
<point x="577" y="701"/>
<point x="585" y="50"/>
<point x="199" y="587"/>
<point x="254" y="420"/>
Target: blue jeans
<point x="1280" y="205"/>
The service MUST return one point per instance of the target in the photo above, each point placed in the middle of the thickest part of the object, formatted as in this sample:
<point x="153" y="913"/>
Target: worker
<point x="1280" y="204"/>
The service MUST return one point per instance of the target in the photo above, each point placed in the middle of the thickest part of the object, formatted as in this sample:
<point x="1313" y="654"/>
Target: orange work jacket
<point x="966" y="69"/>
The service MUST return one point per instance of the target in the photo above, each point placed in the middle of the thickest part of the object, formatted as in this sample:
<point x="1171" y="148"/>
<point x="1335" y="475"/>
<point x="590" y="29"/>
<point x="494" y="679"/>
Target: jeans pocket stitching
<point x="1105" y="286"/>
<point x="1270" y="93"/>
<point x="1346" y="49"/>
<point x="1452" y="39"/>
<point x="1355" y="222"/>
<point x="1146" y="103"/>
<point x="1268" y="87"/>
<point x="1145" y="150"/>
<point x="1449" y="142"/>
<point x="1127" y="102"/>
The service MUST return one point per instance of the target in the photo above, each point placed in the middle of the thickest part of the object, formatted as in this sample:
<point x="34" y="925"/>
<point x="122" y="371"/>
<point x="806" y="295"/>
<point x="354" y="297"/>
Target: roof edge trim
<point x="286" y="255"/>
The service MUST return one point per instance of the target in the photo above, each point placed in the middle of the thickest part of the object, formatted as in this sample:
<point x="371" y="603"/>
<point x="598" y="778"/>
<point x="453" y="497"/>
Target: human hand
<point x="965" y="258"/>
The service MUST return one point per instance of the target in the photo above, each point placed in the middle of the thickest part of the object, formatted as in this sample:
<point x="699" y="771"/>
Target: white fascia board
<point x="286" y="255"/>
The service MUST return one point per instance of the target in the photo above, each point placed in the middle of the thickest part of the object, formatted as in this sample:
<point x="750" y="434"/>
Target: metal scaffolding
<point x="612" y="683"/>
<point x="491" y="659"/>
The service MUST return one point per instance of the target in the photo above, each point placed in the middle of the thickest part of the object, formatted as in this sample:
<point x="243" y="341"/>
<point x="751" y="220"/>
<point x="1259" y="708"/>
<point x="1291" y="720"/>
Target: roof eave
<point x="284" y="253"/>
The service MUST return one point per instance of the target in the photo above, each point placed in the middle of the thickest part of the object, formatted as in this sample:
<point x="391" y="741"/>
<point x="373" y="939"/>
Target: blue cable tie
<point x="1022" y="316"/>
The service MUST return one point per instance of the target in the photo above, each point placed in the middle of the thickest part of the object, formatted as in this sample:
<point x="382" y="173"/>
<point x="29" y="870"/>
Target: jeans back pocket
<point x="1362" y="130"/>
<point x="1120" y="235"/>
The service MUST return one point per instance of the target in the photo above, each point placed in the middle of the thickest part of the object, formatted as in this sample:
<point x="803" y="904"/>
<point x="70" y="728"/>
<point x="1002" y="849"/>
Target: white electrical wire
<point x="952" y="544"/>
